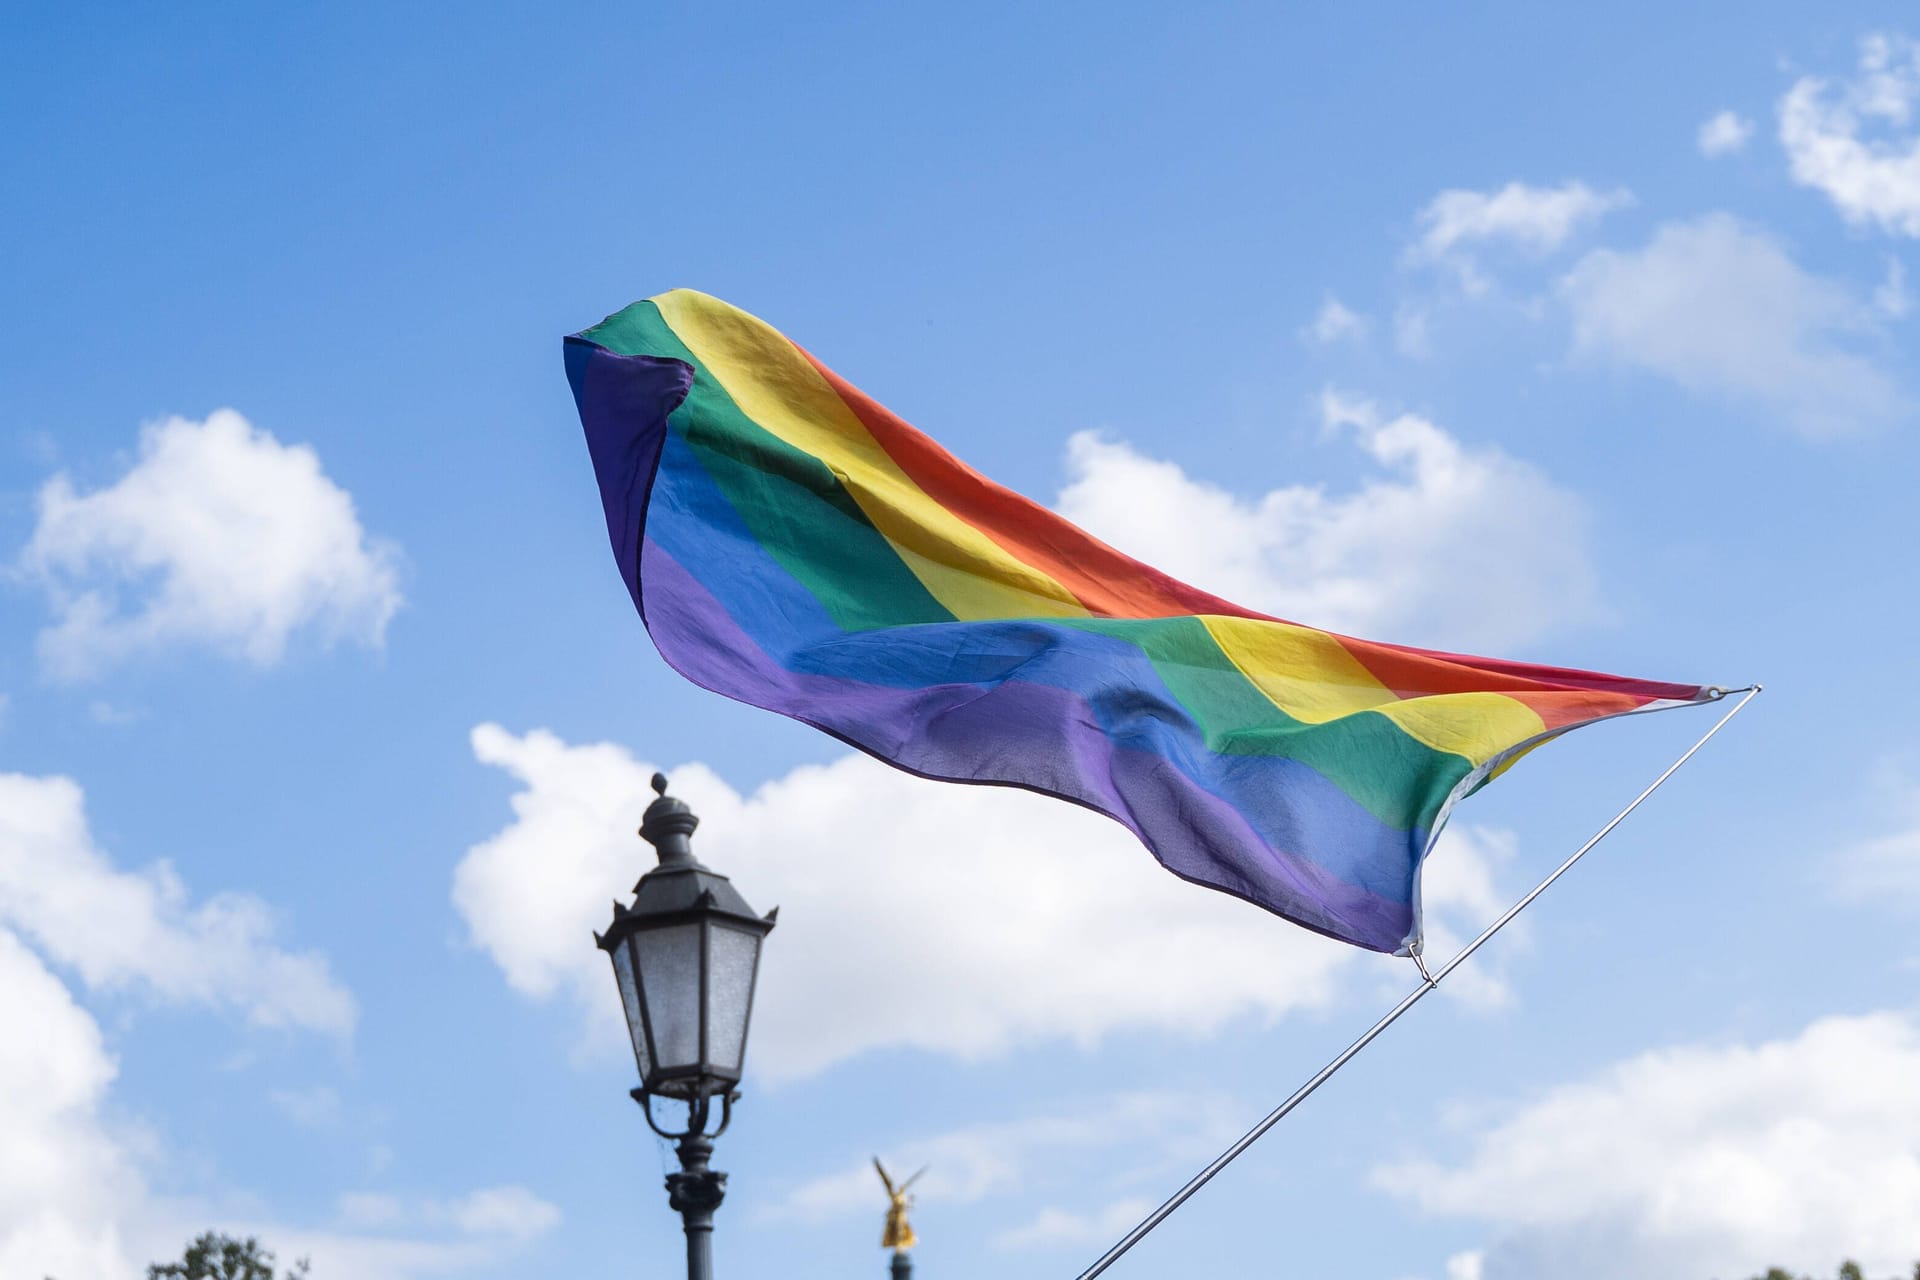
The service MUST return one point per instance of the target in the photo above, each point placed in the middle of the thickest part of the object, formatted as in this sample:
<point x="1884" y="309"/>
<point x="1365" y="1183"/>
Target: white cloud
<point x="1854" y="141"/>
<point x="64" y="1179"/>
<point x="79" y="1194"/>
<point x="1336" y="322"/>
<point x="1455" y="547"/>
<point x="219" y="535"/>
<point x="952" y="919"/>
<point x="1724" y="134"/>
<point x="140" y="929"/>
<point x="1703" y="1160"/>
<point x="1535" y="220"/>
<point x="1719" y="307"/>
<point x="77" y="1190"/>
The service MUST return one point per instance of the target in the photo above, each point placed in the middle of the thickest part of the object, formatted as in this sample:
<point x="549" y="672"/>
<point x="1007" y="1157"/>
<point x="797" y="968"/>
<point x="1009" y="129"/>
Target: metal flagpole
<point x="1413" y="997"/>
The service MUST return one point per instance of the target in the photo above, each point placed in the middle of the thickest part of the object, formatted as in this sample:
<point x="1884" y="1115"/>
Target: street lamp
<point x="686" y="954"/>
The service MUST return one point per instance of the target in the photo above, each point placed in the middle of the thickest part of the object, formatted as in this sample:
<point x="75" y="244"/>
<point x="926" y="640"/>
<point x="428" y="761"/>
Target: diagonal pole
<point x="1428" y="983"/>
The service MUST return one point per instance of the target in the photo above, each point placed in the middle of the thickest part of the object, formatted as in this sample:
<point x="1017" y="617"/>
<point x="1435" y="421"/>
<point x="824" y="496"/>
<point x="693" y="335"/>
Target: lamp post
<point x="686" y="955"/>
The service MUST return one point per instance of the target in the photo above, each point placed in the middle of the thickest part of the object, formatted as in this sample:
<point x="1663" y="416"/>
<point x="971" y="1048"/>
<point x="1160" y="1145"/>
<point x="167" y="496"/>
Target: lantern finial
<point x="667" y="825"/>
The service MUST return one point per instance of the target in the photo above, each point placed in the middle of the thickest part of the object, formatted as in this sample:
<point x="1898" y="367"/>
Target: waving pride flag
<point x="792" y="544"/>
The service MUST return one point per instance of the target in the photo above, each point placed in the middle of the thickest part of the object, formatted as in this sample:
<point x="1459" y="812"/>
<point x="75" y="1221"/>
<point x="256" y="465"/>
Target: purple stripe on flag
<point x="1039" y="737"/>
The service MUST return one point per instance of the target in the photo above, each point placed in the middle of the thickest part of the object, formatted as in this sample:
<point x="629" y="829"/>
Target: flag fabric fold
<point x="792" y="544"/>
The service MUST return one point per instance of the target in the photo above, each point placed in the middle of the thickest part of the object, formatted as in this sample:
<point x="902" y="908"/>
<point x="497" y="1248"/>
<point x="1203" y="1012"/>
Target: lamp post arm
<point x="698" y="1112"/>
<point x="697" y="1190"/>
<point x="694" y="1193"/>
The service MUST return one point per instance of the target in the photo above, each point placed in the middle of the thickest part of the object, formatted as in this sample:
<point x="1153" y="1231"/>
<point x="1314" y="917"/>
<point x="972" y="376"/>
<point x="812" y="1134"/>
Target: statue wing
<point x="915" y="1178"/>
<point x="888" y="1182"/>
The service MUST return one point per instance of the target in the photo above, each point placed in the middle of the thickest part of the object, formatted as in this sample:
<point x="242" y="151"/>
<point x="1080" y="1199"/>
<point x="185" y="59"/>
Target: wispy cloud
<point x="315" y="1107"/>
<point x="508" y="1212"/>
<point x="1719" y="307"/>
<point x="1723" y="134"/>
<point x="1886" y="868"/>
<point x="1533" y="220"/>
<point x="1891" y="298"/>
<point x="1335" y="322"/>
<point x="1093" y="1146"/>
<point x="1053" y="1228"/>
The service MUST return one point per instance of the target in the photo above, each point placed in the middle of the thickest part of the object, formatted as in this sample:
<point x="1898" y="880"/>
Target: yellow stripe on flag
<point x="1312" y="677"/>
<point x="778" y="388"/>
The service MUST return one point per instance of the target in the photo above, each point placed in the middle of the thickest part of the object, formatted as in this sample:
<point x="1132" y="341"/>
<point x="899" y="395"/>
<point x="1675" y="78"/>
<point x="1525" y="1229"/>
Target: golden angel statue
<point x="898" y="1235"/>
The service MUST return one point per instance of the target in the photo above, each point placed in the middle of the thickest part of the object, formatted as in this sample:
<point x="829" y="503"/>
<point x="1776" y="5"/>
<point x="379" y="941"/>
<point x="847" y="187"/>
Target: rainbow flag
<point x="792" y="544"/>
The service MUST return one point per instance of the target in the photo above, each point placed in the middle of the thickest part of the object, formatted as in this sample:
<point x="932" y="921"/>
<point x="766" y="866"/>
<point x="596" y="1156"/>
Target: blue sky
<point x="326" y="720"/>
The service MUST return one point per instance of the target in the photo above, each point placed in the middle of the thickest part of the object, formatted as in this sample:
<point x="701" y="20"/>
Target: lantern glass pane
<point x="669" y="963"/>
<point x="630" y="1001"/>
<point x="731" y="956"/>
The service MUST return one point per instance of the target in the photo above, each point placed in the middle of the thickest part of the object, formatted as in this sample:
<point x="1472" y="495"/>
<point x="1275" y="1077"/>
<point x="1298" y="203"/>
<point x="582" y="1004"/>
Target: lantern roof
<point x="681" y="886"/>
